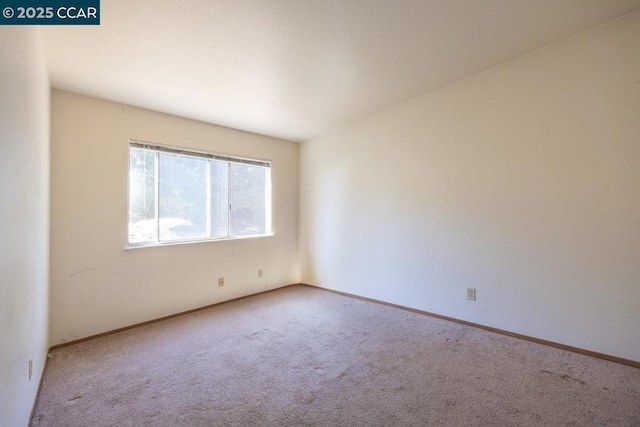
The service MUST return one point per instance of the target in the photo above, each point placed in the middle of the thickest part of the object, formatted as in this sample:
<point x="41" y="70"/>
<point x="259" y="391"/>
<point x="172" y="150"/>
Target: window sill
<point x="195" y="241"/>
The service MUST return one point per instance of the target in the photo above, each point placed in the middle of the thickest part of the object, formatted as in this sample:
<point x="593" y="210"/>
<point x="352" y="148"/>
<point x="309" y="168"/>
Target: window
<point x="178" y="195"/>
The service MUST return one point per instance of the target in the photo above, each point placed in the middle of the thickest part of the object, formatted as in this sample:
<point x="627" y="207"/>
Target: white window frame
<point x="162" y="148"/>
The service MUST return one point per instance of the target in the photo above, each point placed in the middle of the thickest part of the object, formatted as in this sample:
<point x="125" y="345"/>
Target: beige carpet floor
<point x="301" y="356"/>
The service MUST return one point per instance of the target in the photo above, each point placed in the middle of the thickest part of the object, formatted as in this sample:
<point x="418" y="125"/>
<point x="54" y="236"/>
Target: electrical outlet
<point x="259" y="273"/>
<point x="220" y="282"/>
<point x="30" y="368"/>
<point x="471" y="294"/>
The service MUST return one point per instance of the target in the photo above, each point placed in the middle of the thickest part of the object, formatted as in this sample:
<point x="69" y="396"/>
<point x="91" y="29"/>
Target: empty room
<point x="319" y="213"/>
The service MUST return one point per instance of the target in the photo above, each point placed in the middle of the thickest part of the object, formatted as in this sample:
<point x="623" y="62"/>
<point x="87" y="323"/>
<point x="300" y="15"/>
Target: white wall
<point x="24" y="220"/>
<point x="96" y="285"/>
<point x="522" y="181"/>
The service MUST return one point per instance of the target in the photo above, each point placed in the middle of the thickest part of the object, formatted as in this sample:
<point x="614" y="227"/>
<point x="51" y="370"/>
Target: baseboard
<point x="595" y="354"/>
<point x="578" y="350"/>
<point x="160" y="319"/>
<point x="35" y="401"/>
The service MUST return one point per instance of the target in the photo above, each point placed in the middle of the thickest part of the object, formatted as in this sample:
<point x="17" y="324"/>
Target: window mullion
<point x="156" y="190"/>
<point x="229" y="198"/>
<point x="267" y="201"/>
<point x="208" y="189"/>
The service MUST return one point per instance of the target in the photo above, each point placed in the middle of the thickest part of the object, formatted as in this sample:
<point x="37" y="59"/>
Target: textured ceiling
<point x="296" y="69"/>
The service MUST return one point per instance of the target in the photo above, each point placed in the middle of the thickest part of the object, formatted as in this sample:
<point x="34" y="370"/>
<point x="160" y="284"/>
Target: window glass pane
<point x="183" y="197"/>
<point x="142" y="223"/>
<point x="177" y="196"/>
<point x="248" y="199"/>
<point x="219" y="198"/>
